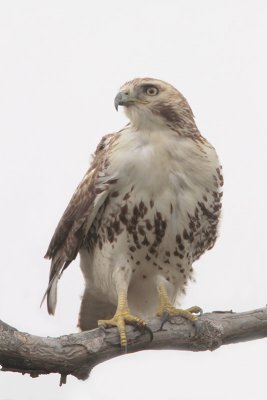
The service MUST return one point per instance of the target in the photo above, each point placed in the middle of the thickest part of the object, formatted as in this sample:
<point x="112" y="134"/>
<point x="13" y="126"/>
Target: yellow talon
<point x="121" y="318"/>
<point x="165" y="307"/>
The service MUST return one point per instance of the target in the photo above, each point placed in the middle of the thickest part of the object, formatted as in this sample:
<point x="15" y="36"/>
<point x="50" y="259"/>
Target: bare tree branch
<point x="78" y="353"/>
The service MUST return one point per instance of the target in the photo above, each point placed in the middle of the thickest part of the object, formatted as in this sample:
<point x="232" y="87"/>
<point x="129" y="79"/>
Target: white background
<point x="61" y="64"/>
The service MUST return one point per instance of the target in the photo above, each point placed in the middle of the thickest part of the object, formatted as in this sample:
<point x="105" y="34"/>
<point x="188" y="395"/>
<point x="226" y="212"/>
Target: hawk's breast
<point x="163" y="211"/>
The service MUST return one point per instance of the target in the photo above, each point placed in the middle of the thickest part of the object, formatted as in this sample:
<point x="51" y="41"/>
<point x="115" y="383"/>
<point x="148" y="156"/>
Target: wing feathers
<point x="78" y="218"/>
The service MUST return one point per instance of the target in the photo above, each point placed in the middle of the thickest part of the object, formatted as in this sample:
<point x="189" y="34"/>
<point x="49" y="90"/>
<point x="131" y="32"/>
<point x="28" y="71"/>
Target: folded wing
<point x="78" y="218"/>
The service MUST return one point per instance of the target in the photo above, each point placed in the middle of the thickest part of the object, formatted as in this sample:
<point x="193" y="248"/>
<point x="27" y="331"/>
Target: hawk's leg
<point x="167" y="309"/>
<point x="123" y="317"/>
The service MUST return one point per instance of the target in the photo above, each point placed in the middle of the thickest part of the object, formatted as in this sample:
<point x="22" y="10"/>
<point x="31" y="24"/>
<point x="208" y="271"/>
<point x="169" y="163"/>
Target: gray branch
<point x="78" y="353"/>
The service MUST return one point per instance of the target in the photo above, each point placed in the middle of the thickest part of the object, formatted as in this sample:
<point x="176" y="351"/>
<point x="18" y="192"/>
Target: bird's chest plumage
<point x="164" y="208"/>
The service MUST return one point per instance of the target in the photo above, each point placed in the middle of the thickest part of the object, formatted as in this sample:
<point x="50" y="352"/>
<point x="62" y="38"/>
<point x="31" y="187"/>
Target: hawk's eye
<point x="152" y="91"/>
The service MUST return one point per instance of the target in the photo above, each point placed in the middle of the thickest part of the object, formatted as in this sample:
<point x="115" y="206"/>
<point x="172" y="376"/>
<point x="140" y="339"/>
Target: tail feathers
<point x="58" y="265"/>
<point x="51" y="295"/>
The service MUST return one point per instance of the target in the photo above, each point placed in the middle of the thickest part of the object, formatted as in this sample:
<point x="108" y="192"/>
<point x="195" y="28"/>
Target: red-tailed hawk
<point x="147" y="208"/>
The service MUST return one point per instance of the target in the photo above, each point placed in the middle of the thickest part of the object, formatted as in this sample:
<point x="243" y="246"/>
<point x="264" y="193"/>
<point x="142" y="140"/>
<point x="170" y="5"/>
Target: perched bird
<point x="146" y="209"/>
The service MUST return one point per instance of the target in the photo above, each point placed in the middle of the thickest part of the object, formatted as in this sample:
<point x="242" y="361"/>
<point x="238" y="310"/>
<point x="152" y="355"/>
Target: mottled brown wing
<point x="77" y="219"/>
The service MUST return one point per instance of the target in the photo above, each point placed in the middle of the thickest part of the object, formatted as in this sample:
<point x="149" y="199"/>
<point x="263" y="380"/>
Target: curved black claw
<point x="144" y="328"/>
<point x="165" y="317"/>
<point x="200" y="312"/>
<point x="149" y="331"/>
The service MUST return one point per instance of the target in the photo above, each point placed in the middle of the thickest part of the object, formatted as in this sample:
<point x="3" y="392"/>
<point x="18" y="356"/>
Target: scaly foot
<point x="166" y="309"/>
<point x="123" y="317"/>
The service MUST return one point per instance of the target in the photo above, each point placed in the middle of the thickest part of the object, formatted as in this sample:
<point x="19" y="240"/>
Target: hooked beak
<point x="125" y="99"/>
<point x="122" y="99"/>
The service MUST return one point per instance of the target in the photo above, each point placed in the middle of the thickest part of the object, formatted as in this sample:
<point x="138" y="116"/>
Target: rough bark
<point x="78" y="353"/>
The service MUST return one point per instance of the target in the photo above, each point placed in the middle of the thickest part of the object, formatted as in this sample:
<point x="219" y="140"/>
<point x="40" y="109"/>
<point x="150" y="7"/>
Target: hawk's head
<point x="150" y="103"/>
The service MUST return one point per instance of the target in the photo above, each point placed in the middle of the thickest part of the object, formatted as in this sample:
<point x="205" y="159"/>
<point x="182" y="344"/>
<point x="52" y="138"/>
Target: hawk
<point x="146" y="209"/>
